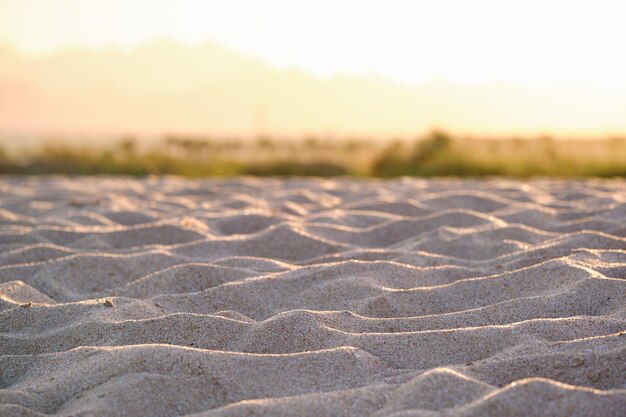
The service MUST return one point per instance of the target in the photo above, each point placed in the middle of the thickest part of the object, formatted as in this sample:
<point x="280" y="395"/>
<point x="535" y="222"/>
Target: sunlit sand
<point x="339" y="297"/>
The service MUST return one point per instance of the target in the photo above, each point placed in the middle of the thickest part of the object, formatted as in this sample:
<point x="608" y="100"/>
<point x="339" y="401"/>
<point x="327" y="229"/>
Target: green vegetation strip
<point x="437" y="154"/>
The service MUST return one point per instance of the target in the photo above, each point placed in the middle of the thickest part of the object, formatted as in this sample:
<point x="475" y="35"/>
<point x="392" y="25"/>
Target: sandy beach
<point x="268" y="297"/>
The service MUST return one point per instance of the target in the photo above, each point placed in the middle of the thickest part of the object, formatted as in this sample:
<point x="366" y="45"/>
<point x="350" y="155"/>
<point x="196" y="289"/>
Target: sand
<point x="267" y="297"/>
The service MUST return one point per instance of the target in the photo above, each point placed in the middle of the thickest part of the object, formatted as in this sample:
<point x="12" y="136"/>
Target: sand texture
<point x="266" y="297"/>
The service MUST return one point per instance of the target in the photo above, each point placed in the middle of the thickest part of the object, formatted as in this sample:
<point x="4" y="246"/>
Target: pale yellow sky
<point x="481" y="66"/>
<point x="526" y="41"/>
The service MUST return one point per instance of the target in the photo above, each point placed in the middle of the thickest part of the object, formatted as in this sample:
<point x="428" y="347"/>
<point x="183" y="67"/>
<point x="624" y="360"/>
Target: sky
<point x="527" y="43"/>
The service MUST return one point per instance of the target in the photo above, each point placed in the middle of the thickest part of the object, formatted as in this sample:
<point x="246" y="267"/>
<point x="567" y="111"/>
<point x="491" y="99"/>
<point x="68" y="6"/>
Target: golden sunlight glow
<point x="567" y="51"/>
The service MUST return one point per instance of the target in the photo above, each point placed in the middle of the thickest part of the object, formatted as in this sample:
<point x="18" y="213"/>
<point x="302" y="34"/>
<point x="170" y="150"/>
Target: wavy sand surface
<point x="167" y="297"/>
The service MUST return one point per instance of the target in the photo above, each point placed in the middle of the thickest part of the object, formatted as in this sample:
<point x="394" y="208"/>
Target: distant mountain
<point x="167" y="87"/>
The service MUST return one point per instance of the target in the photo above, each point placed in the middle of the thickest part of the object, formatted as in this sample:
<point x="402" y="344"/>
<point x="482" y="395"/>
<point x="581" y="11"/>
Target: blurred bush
<point x="437" y="154"/>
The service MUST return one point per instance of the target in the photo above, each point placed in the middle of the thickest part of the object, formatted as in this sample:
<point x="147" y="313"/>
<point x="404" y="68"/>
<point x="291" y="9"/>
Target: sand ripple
<point x="168" y="297"/>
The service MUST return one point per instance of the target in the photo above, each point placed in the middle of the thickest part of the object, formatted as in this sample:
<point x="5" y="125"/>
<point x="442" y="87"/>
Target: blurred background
<point x="366" y="88"/>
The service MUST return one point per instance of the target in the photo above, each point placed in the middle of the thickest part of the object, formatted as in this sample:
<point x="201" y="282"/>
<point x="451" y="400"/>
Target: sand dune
<point x="167" y="297"/>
